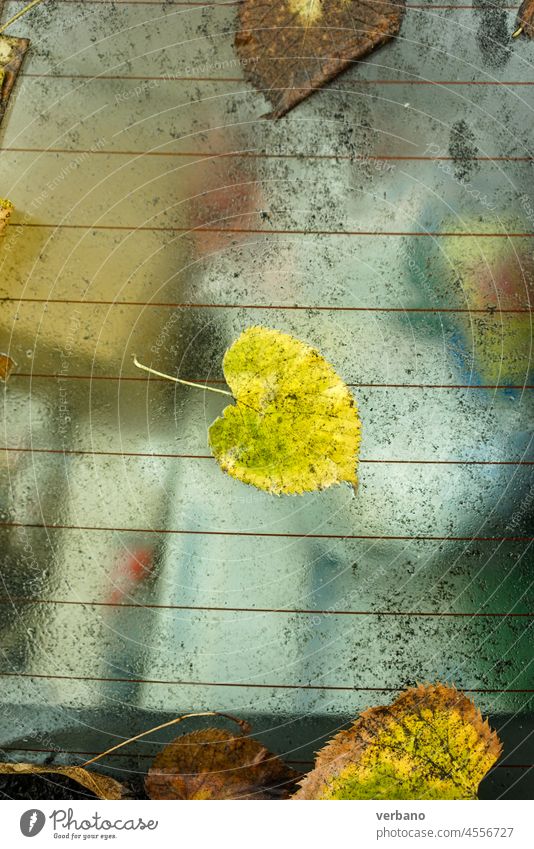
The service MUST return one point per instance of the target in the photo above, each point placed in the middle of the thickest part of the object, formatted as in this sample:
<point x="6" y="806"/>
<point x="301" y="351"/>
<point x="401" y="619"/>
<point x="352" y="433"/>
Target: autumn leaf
<point x="100" y="785"/>
<point x="525" y="19"/>
<point x="216" y="764"/>
<point x="12" y="52"/>
<point x="293" y="47"/>
<point x="431" y="743"/>
<point x="294" y="427"/>
<point x="6" y="208"/>
<point x="6" y="366"/>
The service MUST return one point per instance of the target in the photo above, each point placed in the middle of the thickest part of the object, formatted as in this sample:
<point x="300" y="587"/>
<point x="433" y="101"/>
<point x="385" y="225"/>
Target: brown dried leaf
<point x="431" y="743"/>
<point x="216" y="764"/>
<point x="100" y="785"/>
<point x="525" y="19"/>
<point x="6" y="366"/>
<point x="12" y="52"/>
<point x="293" y="47"/>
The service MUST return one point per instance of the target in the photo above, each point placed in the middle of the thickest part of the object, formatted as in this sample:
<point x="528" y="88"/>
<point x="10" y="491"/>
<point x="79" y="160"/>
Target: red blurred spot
<point x="132" y="567"/>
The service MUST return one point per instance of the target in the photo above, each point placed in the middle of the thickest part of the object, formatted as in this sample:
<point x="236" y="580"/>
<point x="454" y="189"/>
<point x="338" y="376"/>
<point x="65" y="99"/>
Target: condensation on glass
<point x="388" y="220"/>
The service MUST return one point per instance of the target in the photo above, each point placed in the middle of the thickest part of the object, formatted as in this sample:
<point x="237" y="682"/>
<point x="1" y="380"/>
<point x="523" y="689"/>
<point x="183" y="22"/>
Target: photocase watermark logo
<point x="32" y="822"/>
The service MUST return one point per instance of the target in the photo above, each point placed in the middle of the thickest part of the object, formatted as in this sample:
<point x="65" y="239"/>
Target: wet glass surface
<point x="158" y="214"/>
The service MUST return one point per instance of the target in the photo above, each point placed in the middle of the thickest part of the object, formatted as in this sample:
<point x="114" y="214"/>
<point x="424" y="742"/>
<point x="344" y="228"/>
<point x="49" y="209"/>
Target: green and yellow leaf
<point x="294" y="427"/>
<point x="431" y="743"/>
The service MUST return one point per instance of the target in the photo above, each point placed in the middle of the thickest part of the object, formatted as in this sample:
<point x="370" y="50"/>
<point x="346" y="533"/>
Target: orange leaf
<point x="6" y="366"/>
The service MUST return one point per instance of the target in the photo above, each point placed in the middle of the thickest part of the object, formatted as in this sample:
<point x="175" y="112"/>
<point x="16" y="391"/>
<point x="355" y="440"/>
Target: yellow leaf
<point x="431" y="743"/>
<point x="6" y="208"/>
<point x="295" y="426"/>
<point x="100" y="785"/>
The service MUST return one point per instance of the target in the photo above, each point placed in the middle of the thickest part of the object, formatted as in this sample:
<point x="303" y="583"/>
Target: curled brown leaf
<point x="525" y="19"/>
<point x="12" y="52"/>
<point x="215" y="764"/>
<point x="101" y="785"/>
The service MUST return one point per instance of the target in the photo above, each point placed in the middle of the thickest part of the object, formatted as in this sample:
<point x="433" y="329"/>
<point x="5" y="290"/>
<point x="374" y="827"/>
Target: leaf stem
<point x="179" y="380"/>
<point x="518" y="31"/>
<point x="19" y="14"/>
<point x="244" y="726"/>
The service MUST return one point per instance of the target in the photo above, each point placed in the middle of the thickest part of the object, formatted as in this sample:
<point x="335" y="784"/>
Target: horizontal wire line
<point x="260" y="534"/>
<point x="489" y="311"/>
<point x="241" y="80"/>
<point x="304" y="611"/>
<point x="128" y="754"/>
<point x="59" y="376"/>
<point x="201" y="228"/>
<point x="246" y="154"/>
<point x="145" y="755"/>
<point x="249" y="684"/>
<point x="79" y="452"/>
<point x="193" y="4"/>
